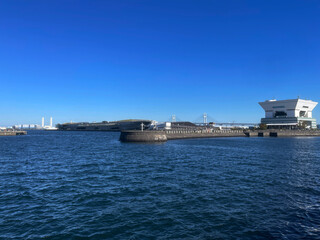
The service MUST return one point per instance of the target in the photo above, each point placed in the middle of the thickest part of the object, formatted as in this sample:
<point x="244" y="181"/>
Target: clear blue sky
<point x="109" y="60"/>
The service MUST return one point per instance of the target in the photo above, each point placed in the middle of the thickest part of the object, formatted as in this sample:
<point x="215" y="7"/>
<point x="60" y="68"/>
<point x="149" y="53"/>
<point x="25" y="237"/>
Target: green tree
<point x="263" y="126"/>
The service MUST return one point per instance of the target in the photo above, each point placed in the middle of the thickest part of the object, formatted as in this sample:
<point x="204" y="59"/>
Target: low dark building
<point x="114" y="126"/>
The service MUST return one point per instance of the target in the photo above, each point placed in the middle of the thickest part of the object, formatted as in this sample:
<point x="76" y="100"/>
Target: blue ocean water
<point x="88" y="185"/>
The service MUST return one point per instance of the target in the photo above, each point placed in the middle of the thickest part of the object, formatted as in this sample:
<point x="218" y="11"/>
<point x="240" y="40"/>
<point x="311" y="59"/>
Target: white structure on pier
<point x="288" y="113"/>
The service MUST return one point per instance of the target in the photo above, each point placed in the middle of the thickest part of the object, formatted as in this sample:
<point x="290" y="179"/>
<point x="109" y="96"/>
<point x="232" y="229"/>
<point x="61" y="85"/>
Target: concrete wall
<point x="180" y="134"/>
<point x="143" y="136"/>
<point x="162" y="136"/>
<point x="282" y="133"/>
<point x="12" y="133"/>
<point x="297" y="133"/>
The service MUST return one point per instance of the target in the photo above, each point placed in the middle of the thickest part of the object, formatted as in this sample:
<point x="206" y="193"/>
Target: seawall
<point x="282" y="133"/>
<point x="12" y="133"/>
<point x="143" y="136"/>
<point x="181" y="134"/>
<point x="162" y="136"/>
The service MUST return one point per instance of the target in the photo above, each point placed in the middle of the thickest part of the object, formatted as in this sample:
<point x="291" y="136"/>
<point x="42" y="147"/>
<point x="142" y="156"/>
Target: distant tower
<point x="50" y="121"/>
<point x="42" y="125"/>
<point x="205" y="117"/>
<point x="173" y="118"/>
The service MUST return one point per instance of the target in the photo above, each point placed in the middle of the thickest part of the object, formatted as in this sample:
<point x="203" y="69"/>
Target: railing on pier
<point x="186" y="131"/>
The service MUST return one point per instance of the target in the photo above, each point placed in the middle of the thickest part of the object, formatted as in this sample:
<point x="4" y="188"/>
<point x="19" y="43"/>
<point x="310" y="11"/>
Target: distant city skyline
<point x="112" y="60"/>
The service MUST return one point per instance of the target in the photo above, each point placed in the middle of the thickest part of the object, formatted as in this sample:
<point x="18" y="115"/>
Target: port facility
<point x="289" y="114"/>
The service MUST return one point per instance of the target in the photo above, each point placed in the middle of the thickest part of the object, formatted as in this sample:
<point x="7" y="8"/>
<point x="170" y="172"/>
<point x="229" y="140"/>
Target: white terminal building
<point x="290" y="113"/>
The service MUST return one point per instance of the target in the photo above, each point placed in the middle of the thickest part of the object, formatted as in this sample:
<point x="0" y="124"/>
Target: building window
<point x="302" y="113"/>
<point x="278" y="114"/>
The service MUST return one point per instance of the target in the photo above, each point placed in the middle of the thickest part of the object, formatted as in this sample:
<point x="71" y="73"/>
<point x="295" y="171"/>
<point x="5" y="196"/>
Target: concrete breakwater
<point x="162" y="136"/>
<point x="282" y="133"/>
<point x="143" y="136"/>
<point x="12" y="133"/>
<point x="203" y="133"/>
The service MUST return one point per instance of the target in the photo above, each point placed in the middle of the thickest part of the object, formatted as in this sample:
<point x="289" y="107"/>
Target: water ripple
<point x="88" y="185"/>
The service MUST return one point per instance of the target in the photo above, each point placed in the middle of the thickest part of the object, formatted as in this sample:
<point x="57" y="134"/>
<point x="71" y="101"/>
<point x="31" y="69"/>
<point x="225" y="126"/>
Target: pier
<point x="283" y="133"/>
<point x="163" y="136"/>
<point x="143" y="136"/>
<point x="12" y="133"/>
<point x="202" y="133"/>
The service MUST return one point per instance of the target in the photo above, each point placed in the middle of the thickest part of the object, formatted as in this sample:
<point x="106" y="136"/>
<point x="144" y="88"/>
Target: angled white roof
<point x="290" y="104"/>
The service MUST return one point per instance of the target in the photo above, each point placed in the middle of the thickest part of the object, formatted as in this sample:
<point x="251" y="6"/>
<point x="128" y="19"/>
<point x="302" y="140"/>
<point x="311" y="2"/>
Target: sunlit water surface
<point x="79" y="185"/>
